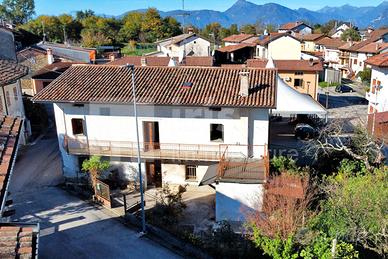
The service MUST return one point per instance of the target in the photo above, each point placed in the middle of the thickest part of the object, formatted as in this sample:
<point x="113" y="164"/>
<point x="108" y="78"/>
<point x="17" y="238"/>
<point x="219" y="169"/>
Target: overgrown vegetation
<point x="365" y="75"/>
<point x="327" y="84"/>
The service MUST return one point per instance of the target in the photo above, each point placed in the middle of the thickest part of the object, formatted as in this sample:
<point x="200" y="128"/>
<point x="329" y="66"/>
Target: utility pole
<point x="143" y="223"/>
<point x="64" y="34"/>
<point x="44" y="33"/>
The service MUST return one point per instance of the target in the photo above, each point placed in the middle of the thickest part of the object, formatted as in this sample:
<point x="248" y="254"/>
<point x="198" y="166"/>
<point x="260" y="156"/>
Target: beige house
<point x="279" y="46"/>
<point x="302" y="75"/>
<point x="309" y="41"/>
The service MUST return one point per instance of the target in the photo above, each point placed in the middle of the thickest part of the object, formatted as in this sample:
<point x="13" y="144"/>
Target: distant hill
<point x="243" y="12"/>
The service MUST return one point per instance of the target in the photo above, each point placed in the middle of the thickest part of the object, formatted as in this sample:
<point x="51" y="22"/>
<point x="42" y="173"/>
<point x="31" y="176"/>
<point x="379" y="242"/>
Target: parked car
<point x="344" y="89"/>
<point x="305" y="131"/>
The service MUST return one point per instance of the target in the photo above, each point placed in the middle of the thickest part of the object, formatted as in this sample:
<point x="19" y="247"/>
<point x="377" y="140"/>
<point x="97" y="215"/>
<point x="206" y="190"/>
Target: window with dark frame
<point x="299" y="73"/>
<point x="15" y="94"/>
<point x="191" y="172"/>
<point x="217" y="132"/>
<point x="77" y="126"/>
<point x="298" y="82"/>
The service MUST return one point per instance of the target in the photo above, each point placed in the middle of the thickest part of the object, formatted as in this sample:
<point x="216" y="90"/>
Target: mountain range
<point x="244" y="12"/>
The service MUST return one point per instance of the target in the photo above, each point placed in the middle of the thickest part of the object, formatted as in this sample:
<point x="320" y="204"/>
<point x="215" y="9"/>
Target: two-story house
<point x="189" y="44"/>
<point x="190" y="118"/>
<point x="278" y="46"/>
<point x="309" y="41"/>
<point x="296" y="27"/>
<point x="339" y="30"/>
<point x="331" y="51"/>
<point x="378" y="96"/>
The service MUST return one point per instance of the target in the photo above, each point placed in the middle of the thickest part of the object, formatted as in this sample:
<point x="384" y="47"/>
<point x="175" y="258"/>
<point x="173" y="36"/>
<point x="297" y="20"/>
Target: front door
<point x="151" y="135"/>
<point x="154" y="173"/>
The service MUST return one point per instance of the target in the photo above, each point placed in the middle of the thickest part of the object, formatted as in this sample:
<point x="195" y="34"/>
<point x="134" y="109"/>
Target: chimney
<point x="50" y="56"/>
<point x="143" y="61"/>
<point x="311" y="62"/>
<point x="112" y="57"/>
<point x="244" y="83"/>
<point x="190" y="30"/>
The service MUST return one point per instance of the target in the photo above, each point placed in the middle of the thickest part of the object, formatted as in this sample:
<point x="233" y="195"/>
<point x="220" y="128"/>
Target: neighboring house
<point x="70" y="53"/>
<point x="331" y="52"/>
<point x="296" y="27"/>
<point x="340" y="30"/>
<point x="378" y="97"/>
<point x="190" y="119"/>
<point x="162" y="61"/>
<point x="239" y="38"/>
<point x="278" y="46"/>
<point x="309" y="41"/>
<point x="234" y="54"/>
<point x="302" y="75"/>
<point x="354" y="54"/>
<point x="181" y="46"/>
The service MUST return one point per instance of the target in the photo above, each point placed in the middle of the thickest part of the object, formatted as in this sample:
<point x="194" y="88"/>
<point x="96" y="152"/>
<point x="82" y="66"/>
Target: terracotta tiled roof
<point x="238" y="38"/>
<point x="373" y="47"/>
<point x="178" y="39"/>
<point x="9" y="135"/>
<point x="199" y="61"/>
<point x="161" y="86"/>
<point x="309" y="37"/>
<point x="136" y="60"/>
<point x="288" y="65"/>
<point x="374" y="36"/>
<point x="273" y="36"/>
<point x="380" y="60"/>
<point x="30" y="53"/>
<point x="330" y="43"/>
<point x="53" y="71"/>
<point x="18" y="241"/>
<point x="162" y="61"/>
<point x="232" y="48"/>
<point x="291" y="25"/>
<point x="11" y="71"/>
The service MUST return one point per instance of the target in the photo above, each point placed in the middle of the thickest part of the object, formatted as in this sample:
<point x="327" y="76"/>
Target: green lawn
<point x="138" y="50"/>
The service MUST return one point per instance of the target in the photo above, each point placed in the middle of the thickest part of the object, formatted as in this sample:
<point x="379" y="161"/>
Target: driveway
<point x="70" y="227"/>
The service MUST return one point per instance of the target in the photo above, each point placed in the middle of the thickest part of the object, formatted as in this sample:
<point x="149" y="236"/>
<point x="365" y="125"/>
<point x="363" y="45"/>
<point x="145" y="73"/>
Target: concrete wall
<point x="7" y="45"/>
<point x="176" y="174"/>
<point x="284" y="48"/>
<point x="234" y="200"/>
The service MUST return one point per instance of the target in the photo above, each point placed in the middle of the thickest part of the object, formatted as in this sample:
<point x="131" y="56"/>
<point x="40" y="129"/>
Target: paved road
<point x="70" y="227"/>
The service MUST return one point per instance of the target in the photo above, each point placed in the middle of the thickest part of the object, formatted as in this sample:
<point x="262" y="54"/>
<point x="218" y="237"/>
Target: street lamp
<point x="143" y="224"/>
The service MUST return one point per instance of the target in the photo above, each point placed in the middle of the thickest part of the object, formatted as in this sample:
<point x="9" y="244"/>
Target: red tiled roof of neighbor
<point x="232" y="48"/>
<point x="136" y="60"/>
<point x="380" y="60"/>
<point x="9" y="136"/>
<point x="274" y="36"/>
<point x="162" y="61"/>
<point x="310" y="37"/>
<point x="10" y="71"/>
<point x="330" y="43"/>
<point x="18" y="241"/>
<point x="52" y="71"/>
<point x="238" y="38"/>
<point x="288" y="65"/>
<point x="211" y="86"/>
<point x="199" y="61"/>
<point x="373" y="47"/>
<point x="374" y="36"/>
<point x="29" y="53"/>
<point x="291" y="25"/>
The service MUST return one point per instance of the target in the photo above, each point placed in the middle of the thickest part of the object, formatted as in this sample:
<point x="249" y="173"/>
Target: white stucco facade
<point x="378" y="97"/>
<point x="283" y="48"/>
<point x="177" y="125"/>
<point x="193" y="46"/>
<point x="234" y="201"/>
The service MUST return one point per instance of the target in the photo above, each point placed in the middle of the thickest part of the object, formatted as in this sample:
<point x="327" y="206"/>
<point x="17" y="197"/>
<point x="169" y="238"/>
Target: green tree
<point x="94" y="166"/>
<point x="248" y="29"/>
<point x="355" y="210"/>
<point x="233" y="29"/>
<point x="99" y="31"/>
<point x="212" y="31"/>
<point x="50" y="25"/>
<point x="18" y="11"/>
<point x="152" y="25"/>
<point x="80" y="15"/>
<point x="351" y="34"/>
<point x="132" y="27"/>
<point x="365" y="75"/>
<point x="171" y="27"/>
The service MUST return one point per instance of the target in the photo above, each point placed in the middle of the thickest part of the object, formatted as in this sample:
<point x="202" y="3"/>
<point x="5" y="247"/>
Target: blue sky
<point x="116" y="7"/>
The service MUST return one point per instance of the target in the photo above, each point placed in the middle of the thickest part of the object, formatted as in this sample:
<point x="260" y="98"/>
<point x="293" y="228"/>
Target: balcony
<point x="162" y="151"/>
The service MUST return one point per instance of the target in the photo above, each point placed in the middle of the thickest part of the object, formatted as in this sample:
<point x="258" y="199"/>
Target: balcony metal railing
<point x="173" y="151"/>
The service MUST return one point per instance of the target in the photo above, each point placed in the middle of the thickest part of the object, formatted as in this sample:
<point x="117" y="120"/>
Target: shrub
<point x="280" y="164"/>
